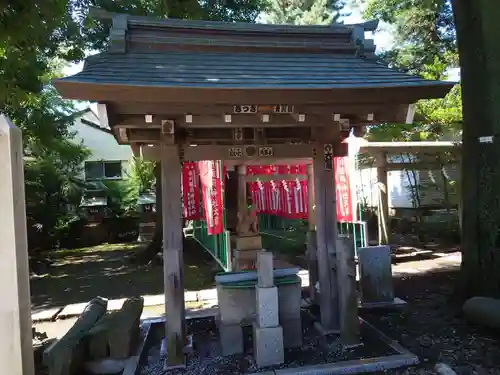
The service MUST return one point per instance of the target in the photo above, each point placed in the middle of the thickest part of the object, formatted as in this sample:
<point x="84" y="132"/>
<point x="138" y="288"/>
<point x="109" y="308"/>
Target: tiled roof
<point x="243" y="70"/>
<point x="202" y="54"/>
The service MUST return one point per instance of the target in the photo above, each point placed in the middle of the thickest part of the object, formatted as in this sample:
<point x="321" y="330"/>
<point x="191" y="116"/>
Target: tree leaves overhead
<point x="303" y="12"/>
<point x="32" y="34"/>
<point x="425" y="45"/>
<point x="424" y="34"/>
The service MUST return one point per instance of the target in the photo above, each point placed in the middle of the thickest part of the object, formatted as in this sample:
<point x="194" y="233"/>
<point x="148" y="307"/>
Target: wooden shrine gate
<point x="181" y="91"/>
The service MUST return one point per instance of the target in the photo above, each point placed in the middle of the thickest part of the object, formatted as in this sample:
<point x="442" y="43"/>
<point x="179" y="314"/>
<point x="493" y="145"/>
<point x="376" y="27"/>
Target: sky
<point x="382" y="37"/>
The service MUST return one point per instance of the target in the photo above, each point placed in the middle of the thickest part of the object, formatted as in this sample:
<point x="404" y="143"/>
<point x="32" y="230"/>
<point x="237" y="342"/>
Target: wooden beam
<point x="242" y="192"/>
<point x="419" y="166"/>
<point x="102" y="114"/>
<point x="173" y="265"/>
<point x="401" y="147"/>
<point x="278" y="94"/>
<point x="170" y="110"/>
<point x="250" y="121"/>
<point x="143" y="135"/>
<point x="312" y="257"/>
<point x="307" y="161"/>
<point x="326" y="231"/>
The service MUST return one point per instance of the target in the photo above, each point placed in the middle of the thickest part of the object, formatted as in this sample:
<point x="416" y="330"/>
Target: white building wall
<point x="399" y="185"/>
<point x="102" y="145"/>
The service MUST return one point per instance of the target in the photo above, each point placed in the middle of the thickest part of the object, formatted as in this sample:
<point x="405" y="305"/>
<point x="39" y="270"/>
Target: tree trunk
<point x="478" y="35"/>
<point x="154" y="247"/>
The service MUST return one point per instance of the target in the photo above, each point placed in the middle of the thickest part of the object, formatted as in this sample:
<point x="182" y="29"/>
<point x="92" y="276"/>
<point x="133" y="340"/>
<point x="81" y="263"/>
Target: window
<point x="103" y="170"/>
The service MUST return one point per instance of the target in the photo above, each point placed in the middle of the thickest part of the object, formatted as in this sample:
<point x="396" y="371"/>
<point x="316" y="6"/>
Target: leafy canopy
<point x="303" y="12"/>
<point x="424" y="34"/>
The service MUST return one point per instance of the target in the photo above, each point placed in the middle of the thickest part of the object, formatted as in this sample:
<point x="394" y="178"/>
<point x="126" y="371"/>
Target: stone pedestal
<point x="292" y="332"/>
<point x="267" y="333"/>
<point x="245" y="259"/>
<point x="289" y="314"/>
<point x="231" y="338"/>
<point x="245" y="252"/>
<point x="268" y="346"/>
<point x="267" y="307"/>
<point x="249" y="242"/>
<point x="375" y="274"/>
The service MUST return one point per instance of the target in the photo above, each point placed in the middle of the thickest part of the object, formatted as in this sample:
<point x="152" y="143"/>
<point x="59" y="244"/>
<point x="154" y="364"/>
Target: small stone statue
<point x="248" y="224"/>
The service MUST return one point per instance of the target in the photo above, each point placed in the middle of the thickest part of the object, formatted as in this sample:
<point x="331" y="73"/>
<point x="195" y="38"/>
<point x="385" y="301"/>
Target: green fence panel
<point x="279" y="226"/>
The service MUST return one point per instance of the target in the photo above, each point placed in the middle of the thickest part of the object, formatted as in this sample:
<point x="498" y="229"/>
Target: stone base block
<point x="245" y="259"/>
<point x="249" y="243"/>
<point x="292" y="333"/>
<point x="290" y="296"/>
<point x="268" y="346"/>
<point x="231" y="339"/>
<point x="265" y="267"/>
<point x="375" y="268"/>
<point x="267" y="307"/>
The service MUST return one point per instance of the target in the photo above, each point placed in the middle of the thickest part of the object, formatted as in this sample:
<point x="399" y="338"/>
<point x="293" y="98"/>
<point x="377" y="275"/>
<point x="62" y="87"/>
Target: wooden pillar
<point x="311" y="237"/>
<point x="173" y="260"/>
<point x="383" y="199"/>
<point x="348" y="294"/>
<point x="16" y="347"/>
<point x="326" y="234"/>
<point x="242" y="190"/>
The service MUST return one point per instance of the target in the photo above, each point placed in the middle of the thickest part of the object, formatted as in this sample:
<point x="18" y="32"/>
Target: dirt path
<point x="79" y="275"/>
<point x="430" y="327"/>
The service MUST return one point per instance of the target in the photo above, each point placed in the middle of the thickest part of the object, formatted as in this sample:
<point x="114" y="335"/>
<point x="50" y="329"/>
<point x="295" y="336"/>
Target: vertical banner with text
<point x="211" y="186"/>
<point x="343" y="190"/>
<point x="190" y="192"/>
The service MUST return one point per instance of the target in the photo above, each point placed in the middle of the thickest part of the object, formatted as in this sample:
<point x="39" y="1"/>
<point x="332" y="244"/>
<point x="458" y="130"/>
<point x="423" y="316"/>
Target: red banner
<point x="343" y="190"/>
<point x="211" y="187"/>
<point x="253" y="170"/>
<point x="190" y="192"/>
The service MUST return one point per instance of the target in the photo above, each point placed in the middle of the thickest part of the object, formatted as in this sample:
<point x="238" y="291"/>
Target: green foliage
<point x="122" y="198"/>
<point x="35" y="42"/>
<point x="424" y="34"/>
<point x="96" y="32"/>
<point x="142" y="176"/>
<point x="27" y="54"/>
<point x="303" y="12"/>
<point x="443" y="116"/>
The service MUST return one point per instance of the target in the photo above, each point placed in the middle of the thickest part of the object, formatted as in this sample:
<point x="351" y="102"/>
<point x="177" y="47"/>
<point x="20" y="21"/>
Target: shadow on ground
<point x="434" y="329"/>
<point x="79" y="275"/>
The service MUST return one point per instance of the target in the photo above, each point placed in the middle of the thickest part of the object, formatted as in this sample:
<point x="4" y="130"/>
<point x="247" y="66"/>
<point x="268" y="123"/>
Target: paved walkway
<point x="203" y="299"/>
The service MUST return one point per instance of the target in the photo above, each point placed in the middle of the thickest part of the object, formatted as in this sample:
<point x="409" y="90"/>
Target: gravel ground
<point x="428" y="326"/>
<point x="207" y="359"/>
<point x="434" y="330"/>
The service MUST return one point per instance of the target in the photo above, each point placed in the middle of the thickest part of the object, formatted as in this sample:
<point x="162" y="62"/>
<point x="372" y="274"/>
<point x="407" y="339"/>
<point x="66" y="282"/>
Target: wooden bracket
<point x="328" y="156"/>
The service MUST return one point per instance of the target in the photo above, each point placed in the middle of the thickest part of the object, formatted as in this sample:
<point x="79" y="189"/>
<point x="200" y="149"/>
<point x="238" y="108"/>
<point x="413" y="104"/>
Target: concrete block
<point x="249" y="243"/>
<point x="231" y="339"/>
<point x="236" y="305"/>
<point x="265" y="261"/>
<point x="245" y="259"/>
<point x="289" y="299"/>
<point x="292" y="332"/>
<point x="267" y="307"/>
<point x="268" y="346"/>
<point x="376" y="274"/>
<point x="207" y="294"/>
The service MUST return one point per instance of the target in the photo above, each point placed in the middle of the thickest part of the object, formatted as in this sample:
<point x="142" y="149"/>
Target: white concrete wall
<point x="102" y="145"/>
<point x="399" y="193"/>
<point x="399" y="186"/>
